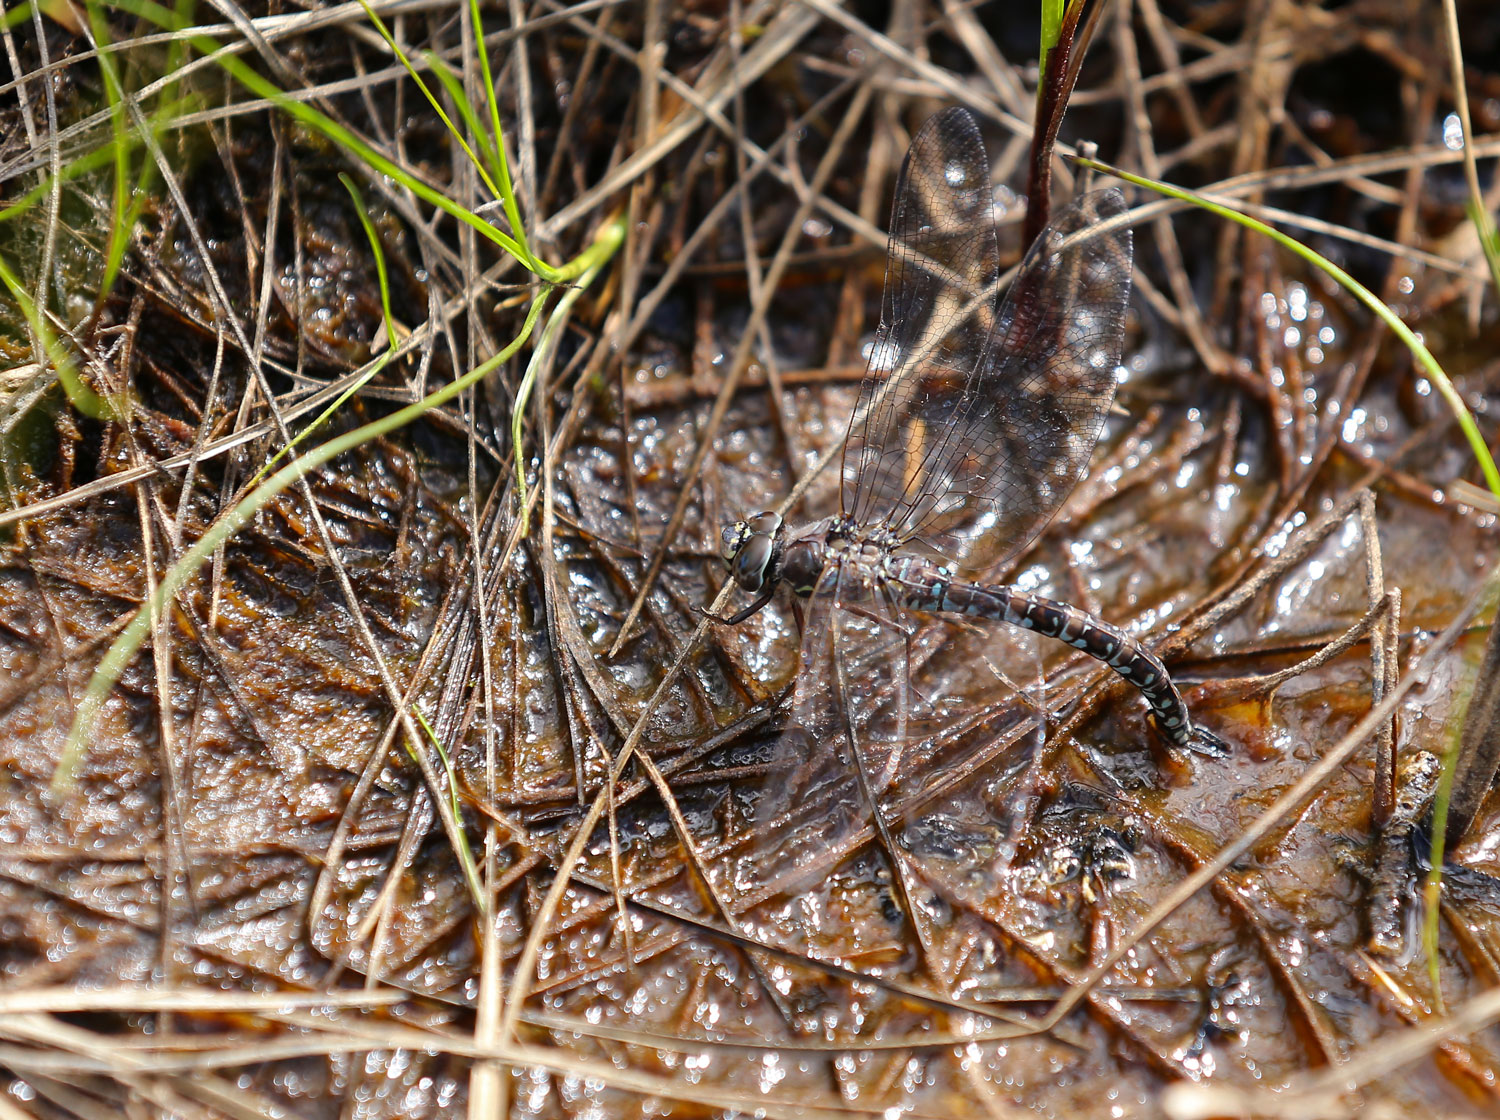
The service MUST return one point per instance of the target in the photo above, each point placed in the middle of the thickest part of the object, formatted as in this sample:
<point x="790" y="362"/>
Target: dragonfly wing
<point x="836" y="752"/>
<point x="1034" y="407"/>
<point x="936" y="315"/>
<point x="977" y="423"/>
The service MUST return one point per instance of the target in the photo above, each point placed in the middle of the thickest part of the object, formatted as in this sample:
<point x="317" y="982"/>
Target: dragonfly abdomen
<point x="925" y="586"/>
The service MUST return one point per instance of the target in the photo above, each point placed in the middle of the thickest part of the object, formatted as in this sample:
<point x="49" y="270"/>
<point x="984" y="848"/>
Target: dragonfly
<point x="975" y="419"/>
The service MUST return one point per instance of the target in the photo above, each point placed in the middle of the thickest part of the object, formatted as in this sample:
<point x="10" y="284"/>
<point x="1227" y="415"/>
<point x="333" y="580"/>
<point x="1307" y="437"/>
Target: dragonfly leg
<point x="740" y="616"/>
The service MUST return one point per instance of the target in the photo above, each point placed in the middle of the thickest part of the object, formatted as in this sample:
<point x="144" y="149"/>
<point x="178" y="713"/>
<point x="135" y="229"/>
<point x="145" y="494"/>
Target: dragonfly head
<point x="752" y="549"/>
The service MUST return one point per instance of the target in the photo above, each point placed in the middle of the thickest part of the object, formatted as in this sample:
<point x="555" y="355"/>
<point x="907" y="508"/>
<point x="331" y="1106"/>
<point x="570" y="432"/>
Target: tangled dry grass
<point x="408" y="806"/>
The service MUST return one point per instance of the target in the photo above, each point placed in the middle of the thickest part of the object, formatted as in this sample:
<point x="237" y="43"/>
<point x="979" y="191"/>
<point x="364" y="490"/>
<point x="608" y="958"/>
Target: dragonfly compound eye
<point x="752" y="561"/>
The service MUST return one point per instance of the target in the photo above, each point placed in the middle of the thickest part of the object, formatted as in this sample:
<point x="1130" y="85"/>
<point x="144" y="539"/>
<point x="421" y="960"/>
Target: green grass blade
<point x="1489" y="240"/>
<point x="1052" y="18"/>
<point x="465" y="853"/>
<point x="460" y="100"/>
<point x="1484" y="224"/>
<point x="121" y="196"/>
<point x="80" y="395"/>
<point x="20" y="14"/>
<point x="252" y="80"/>
<point x="497" y="134"/>
<point x="336" y="132"/>
<point x="432" y="100"/>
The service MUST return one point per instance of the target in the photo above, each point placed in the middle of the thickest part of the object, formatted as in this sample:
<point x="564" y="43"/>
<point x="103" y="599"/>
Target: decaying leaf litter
<point x="1282" y="492"/>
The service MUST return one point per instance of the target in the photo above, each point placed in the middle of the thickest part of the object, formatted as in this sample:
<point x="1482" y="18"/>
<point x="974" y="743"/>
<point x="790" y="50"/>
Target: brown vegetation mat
<point x="250" y="903"/>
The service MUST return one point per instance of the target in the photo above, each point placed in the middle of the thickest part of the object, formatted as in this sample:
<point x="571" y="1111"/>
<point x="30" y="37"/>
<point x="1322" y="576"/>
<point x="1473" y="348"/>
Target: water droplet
<point x="1453" y="133"/>
<point x="882" y="356"/>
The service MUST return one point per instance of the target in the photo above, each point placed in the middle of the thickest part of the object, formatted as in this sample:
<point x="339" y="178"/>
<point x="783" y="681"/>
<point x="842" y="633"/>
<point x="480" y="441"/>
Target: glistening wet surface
<point x="1028" y="854"/>
<point x="265" y="830"/>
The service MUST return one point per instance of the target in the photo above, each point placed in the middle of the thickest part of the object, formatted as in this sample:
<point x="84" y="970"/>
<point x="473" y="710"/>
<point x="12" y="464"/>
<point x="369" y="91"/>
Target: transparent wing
<point x="976" y="426"/>
<point x="936" y="315"/>
<point x="841" y="744"/>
